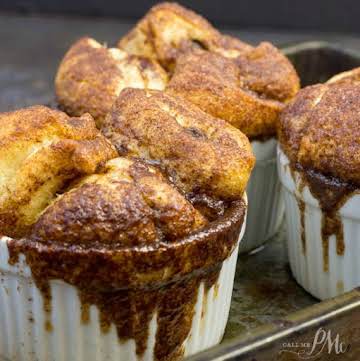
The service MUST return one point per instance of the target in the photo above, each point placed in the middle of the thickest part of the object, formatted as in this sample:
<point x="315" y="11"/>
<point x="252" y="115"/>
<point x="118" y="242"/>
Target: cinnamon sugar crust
<point x="217" y="85"/>
<point x="320" y="130"/>
<point x="166" y="31"/>
<point x="127" y="204"/>
<point x="266" y="71"/>
<point x="91" y="76"/>
<point x="200" y="153"/>
<point x="350" y="76"/>
<point x="40" y="151"/>
<point x="245" y="85"/>
<point x="169" y="30"/>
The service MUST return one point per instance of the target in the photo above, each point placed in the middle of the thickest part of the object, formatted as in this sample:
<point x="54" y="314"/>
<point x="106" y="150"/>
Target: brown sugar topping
<point x="169" y="30"/>
<point x="127" y="204"/>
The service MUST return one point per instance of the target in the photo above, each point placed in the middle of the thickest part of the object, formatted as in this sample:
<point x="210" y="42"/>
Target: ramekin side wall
<point x="308" y="266"/>
<point x="266" y="206"/>
<point x="23" y="336"/>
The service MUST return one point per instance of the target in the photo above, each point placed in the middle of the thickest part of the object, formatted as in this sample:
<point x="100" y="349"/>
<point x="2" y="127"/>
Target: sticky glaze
<point x="130" y="285"/>
<point x="332" y="194"/>
<point x="301" y="205"/>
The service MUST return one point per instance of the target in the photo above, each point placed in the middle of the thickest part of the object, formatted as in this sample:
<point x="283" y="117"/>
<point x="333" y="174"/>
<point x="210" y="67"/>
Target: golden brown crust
<point x="169" y="29"/>
<point x="266" y="71"/>
<point x="244" y="85"/>
<point x="113" y="213"/>
<point x="320" y="130"/>
<point x="350" y="76"/>
<point x="229" y="46"/>
<point x="200" y="153"/>
<point x="91" y="76"/>
<point x="166" y="31"/>
<point x="40" y="150"/>
<point x="294" y="121"/>
<point x="218" y="87"/>
<point x="127" y="204"/>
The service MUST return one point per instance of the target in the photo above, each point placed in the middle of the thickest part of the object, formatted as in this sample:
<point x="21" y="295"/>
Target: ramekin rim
<point x="307" y="197"/>
<point x="199" y="251"/>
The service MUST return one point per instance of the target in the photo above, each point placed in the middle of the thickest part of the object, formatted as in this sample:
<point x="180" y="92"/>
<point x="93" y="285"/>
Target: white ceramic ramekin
<point x="266" y="206"/>
<point x="307" y="265"/>
<point x="23" y="336"/>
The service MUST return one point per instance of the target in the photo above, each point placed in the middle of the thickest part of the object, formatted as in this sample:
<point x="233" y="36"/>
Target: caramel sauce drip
<point x="105" y="284"/>
<point x="209" y="207"/>
<point x="301" y="205"/>
<point x="132" y="310"/>
<point x="331" y="194"/>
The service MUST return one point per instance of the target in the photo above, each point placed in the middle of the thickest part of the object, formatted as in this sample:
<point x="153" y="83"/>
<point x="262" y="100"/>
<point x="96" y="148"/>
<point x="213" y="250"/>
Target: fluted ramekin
<point x="322" y="275"/>
<point x="266" y="206"/>
<point x="198" y="293"/>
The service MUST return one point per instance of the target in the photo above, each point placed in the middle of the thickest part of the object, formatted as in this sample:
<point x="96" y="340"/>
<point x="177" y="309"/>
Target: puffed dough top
<point x="40" y="151"/>
<point x="127" y="204"/>
<point x="200" y="153"/>
<point x="166" y="31"/>
<point x="91" y="76"/>
<point x="228" y="79"/>
<point x="351" y="76"/>
<point x="320" y="129"/>
<point x="169" y="30"/>
<point x="217" y="85"/>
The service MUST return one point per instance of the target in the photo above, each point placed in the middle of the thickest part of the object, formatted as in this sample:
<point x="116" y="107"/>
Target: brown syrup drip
<point x="43" y="287"/>
<point x="301" y="205"/>
<point x="209" y="207"/>
<point x="332" y="194"/>
<point x="132" y="310"/>
<point x="46" y="292"/>
<point x="85" y="310"/>
<point x="129" y="286"/>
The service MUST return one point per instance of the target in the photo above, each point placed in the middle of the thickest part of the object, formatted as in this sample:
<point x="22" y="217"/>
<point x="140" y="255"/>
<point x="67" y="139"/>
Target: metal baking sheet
<point x="271" y="316"/>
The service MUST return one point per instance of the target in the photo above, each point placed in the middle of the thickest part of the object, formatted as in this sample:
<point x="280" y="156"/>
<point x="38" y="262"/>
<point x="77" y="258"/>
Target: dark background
<point x="319" y="15"/>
